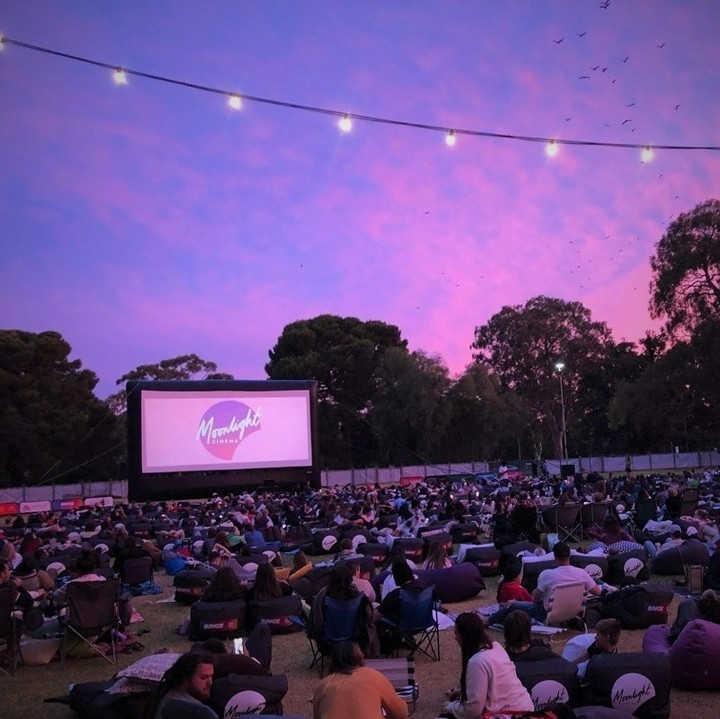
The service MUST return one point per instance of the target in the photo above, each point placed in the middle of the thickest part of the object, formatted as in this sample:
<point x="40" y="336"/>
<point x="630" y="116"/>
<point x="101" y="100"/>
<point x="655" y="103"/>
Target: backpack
<point x="638" y="606"/>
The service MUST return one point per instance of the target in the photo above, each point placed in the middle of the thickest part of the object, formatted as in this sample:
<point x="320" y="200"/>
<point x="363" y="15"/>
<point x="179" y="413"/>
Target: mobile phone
<point x="238" y="646"/>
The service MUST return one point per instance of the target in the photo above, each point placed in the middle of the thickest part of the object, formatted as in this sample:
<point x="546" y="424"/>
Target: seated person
<point x="189" y="679"/>
<point x="267" y="585"/>
<point x="389" y="607"/>
<point x="347" y="551"/>
<point x="437" y="557"/>
<point x="582" y="648"/>
<point x="224" y="586"/>
<point x="706" y="607"/>
<point x="361" y="583"/>
<point x="612" y="538"/>
<point x="519" y="644"/>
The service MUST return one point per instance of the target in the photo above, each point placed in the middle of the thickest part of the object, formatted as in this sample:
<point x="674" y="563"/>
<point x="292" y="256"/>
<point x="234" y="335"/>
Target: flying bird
<point x="632" y="104"/>
<point x="606" y="125"/>
<point x="581" y="34"/>
<point x="625" y="122"/>
<point x="625" y="59"/>
<point x="677" y="106"/>
<point x="604" y="70"/>
<point x="584" y="77"/>
<point x="604" y="5"/>
<point x="614" y="80"/>
<point x="661" y="46"/>
<point x="557" y="42"/>
<point x="595" y="68"/>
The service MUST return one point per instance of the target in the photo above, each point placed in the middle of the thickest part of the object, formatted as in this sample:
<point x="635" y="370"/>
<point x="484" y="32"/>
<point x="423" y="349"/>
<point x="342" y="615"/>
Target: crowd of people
<point x="221" y="530"/>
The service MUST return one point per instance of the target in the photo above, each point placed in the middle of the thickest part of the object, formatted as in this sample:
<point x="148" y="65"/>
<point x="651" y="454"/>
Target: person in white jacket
<point x="488" y="681"/>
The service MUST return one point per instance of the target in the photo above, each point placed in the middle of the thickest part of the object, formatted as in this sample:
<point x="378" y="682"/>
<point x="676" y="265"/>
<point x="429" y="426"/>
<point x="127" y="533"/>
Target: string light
<point x="120" y="77"/>
<point x="450" y="139"/>
<point x="647" y="154"/>
<point x="346" y="118"/>
<point x="345" y="123"/>
<point x="235" y="102"/>
<point x="551" y="149"/>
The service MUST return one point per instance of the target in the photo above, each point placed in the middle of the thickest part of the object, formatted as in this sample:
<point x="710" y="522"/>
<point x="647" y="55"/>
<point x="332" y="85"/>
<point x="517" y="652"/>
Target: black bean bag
<point x="236" y="694"/>
<point x="618" y="565"/>
<point x="190" y="584"/>
<point x="635" y="682"/>
<point x="413" y="548"/>
<point x="673" y="561"/>
<point x="486" y="557"/>
<point x="324" y="541"/>
<point x="465" y="533"/>
<point x="276" y="613"/>
<point x="224" y="620"/>
<point x="550" y="681"/>
<point x="436" y="535"/>
<point x="377" y="551"/>
<point x="638" y="606"/>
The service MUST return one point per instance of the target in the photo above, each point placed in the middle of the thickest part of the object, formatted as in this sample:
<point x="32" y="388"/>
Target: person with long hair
<point x="189" y="679"/>
<point x="437" y="557"/>
<point x="267" y="585"/>
<point x="224" y="586"/>
<point x="354" y="690"/>
<point x="488" y="681"/>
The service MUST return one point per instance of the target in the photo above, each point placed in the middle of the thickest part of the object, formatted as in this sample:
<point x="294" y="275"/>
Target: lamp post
<point x="560" y="366"/>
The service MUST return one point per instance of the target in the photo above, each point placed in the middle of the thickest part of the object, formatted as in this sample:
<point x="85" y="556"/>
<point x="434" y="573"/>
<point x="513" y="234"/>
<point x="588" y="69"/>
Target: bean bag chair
<point x="377" y="551"/>
<point x="465" y="533"/>
<point x="511" y="551"/>
<point x="638" y="606"/>
<point x="620" y="566"/>
<point x="550" y="681"/>
<point x="636" y="683"/>
<point x="276" y="613"/>
<point x="436" y="535"/>
<point x="454" y="584"/>
<point x="597" y="567"/>
<point x="486" y="557"/>
<point x="694" y="657"/>
<point x="190" y="584"/>
<point x="413" y="548"/>
<point x="532" y="566"/>
<point x="238" y="695"/>
<point x="324" y="541"/>
<point x="673" y="561"/>
<point x="363" y="535"/>
<point x="224" y="620"/>
<point x="92" y="699"/>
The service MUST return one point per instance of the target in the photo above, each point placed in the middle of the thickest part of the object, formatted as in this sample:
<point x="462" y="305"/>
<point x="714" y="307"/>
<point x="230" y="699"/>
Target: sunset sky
<point x="150" y="220"/>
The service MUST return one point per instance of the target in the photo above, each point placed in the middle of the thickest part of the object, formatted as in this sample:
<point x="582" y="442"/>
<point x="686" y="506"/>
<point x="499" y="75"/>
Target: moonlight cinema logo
<point x="225" y="425"/>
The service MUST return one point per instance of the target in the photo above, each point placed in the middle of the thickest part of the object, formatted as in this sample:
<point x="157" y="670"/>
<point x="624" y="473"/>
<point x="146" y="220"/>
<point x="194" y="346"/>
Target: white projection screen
<point x="189" y="437"/>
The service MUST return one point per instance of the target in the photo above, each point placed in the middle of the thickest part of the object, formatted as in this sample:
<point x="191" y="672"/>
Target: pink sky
<point x="148" y="221"/>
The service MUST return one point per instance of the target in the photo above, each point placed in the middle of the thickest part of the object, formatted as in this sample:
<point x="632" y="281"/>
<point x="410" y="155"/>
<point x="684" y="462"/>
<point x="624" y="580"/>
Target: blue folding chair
<point x="417" y="627"/>
<point x="341" y="622"/>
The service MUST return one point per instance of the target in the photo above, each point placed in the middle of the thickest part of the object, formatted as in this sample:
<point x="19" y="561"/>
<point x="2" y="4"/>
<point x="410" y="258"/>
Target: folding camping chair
<point x="92" y="613"/>
<point x="9" y="630"/>
<point x="400" y="671"/>
<point x="417" y="627"/>
<point x="137" y="570"/>
<point x="341" y="622"/>
<point x="565" y="520"/>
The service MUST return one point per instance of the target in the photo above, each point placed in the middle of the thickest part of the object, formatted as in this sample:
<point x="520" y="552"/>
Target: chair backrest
<point x="92" y="605"/>
<point x="341" y="618"/>
<point x="400" y="672"/>
<point x="183" y="709"/>
<point x="7" y="604"/>
<point x="645" y="510"/>
<point x="137" y="570"/>
<point x="565" y="602"/>
<point x="562" y="515"/>
<point x="416" y="609"/>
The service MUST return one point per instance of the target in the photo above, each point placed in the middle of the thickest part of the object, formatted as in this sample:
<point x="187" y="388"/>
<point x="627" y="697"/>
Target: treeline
<point x="381" y="404"/>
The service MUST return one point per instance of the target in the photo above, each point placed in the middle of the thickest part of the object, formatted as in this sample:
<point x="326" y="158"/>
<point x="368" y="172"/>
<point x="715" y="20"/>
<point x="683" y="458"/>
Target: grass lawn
<point x="23" y="694"/>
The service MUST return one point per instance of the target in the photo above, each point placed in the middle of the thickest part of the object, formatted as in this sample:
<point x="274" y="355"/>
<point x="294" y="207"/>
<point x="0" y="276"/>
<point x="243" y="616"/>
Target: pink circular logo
<point x="225" y="425"/>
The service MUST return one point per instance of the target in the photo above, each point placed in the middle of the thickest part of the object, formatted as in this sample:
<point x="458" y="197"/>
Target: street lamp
<point x="560" y="366"/>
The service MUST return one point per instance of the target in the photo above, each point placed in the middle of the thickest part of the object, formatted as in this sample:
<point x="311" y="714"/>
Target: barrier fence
<point x="59" y="496"/>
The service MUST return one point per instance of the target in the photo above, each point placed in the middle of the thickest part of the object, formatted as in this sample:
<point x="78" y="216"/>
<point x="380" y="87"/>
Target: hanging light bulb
<point x="450" y="139"/>
<point x="345" y="123"/>
<point x="119" y="76"/>
<point x="235" y="102"/>
<point x="551" y="149"/>
<point x="647" y="154"/>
